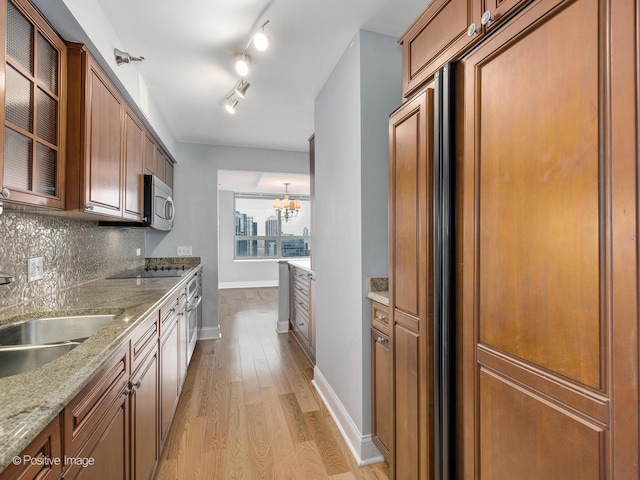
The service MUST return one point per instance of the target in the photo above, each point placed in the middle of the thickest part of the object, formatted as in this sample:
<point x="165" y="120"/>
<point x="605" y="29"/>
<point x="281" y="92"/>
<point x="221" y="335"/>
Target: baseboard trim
<point x="253" y="284"/>
<point x="282" y="327"/>
<point x="362" y="447"/>
<point x="210" y="333"/>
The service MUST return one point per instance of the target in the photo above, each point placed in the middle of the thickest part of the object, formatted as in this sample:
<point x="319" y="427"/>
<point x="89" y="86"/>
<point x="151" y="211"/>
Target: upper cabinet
<point x="134" y="141"/>
<point x="96" y="121"/>
<point x="33" y="164"/>
<point x="444" y="30"/>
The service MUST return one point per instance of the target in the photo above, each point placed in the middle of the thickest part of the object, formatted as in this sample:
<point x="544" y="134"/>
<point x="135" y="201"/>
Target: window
<point x="262" y="233"/>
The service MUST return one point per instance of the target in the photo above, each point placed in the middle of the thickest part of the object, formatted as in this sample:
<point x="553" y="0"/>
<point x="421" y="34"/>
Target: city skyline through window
<point x="261" y="233"/>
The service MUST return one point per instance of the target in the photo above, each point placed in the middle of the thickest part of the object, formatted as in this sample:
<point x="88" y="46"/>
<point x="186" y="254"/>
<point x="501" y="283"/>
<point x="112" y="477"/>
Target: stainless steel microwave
<point x="159" y="210"/>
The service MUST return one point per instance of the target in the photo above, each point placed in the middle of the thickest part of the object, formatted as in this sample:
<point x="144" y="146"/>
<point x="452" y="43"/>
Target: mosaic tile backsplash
<point x="74" y="251"/>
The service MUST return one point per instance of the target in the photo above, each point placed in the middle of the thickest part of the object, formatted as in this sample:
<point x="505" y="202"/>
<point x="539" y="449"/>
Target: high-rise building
<point x="271" y="226"/>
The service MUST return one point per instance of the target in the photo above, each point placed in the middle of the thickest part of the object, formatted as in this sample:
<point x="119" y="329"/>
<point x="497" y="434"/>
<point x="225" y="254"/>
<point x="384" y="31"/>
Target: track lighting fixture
<point x="260" y="40"/>
<point x="123" y="57"/>
<point x="241" y="89"/>
<point x="243" y="64"/>
<point x="230" y="104"/>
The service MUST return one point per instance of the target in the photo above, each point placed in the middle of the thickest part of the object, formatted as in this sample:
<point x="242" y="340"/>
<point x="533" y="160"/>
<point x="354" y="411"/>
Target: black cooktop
<point x="154" y="271"/>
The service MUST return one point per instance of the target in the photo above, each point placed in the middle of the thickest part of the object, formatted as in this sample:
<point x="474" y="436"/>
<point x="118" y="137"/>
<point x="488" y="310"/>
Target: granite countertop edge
<point x="31" y="400"/>
<point x="380" y="297"/>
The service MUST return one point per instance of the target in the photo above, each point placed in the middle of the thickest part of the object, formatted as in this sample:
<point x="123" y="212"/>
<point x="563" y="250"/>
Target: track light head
<point x="243" y="64"/>
<point x="241" y="89"/>
<point x="230" y="105"/>
<point x="260" y="40"/>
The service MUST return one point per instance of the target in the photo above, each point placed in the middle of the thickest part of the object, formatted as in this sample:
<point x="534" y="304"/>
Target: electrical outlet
<point x="185" y="251"/>
<point x="138" y="252"/>
<point x="35" y="269"/>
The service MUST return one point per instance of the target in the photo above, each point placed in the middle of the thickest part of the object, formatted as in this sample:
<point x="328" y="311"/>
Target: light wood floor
<point x="248" y="409"/>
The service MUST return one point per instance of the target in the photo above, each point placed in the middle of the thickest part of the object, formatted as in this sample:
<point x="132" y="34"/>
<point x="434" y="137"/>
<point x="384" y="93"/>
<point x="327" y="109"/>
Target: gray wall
<point x="74" y="252"/>
<point x="196" y="196"/>
<point x="351" y="120"/>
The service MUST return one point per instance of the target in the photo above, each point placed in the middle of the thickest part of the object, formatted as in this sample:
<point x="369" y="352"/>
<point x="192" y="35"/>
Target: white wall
<point x="196" y="196"/>
<point x="351" y="120"/>
<point x="242" y="273"/>
<point x="84" y="21"/>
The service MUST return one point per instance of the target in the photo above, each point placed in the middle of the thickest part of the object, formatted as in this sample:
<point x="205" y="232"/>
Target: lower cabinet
<point x="382" y="392"/>
<point x="115" y="428"/>
<point x="301" y="309"/>
<point x="169" y="375"/>
<point x="96" y="425"/>
<point x="46" y="445"/>
<point x="144" y="418"/>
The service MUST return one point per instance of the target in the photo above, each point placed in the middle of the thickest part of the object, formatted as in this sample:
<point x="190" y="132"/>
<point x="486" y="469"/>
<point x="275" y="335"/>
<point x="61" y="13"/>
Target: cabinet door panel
<point x="145" y="441"/>
<point x="546" y="295"/>
<point x="104" y="170"/>
<point x="436" y="37"/>
<point x="382" y="389"/>
<point x="169" y="376"/>
<point x="134" y="167"/>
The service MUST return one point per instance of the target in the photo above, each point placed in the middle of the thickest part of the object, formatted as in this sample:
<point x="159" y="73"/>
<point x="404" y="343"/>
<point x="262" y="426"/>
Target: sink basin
<point x="33" y="343"/>
<point x="42" y="331"/>
<point x="19" y="359"/>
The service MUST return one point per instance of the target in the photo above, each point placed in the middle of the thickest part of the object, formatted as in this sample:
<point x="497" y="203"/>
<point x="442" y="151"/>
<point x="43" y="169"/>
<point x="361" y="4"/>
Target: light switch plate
<point x="185" y="251"/>
<point x="35" y="269"/>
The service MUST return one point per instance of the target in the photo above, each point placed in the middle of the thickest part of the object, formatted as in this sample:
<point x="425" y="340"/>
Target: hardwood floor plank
<point x="294" y="418"/>
<point x="248" y="410"/>
<point x="236" y="459"/>
<point x="286" y="464"/>
<point x="310" y="461"/>
<point x="330" y="452"/>
<point x="260" y="452"/>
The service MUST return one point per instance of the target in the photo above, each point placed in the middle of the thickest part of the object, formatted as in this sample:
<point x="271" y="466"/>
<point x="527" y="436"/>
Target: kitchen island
<point x="30" y="401"/>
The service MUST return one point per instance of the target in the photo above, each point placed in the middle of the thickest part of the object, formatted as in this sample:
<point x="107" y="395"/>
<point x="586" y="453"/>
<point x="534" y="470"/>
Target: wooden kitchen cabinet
<point x="96" y="424"/>
<point x="96" y="113"/>
<point x="133" y="190"/>
<point x="173" y="354"/>
<point x="548" y="278"/>
<point x="144" y="417"/>
<point x="301" y="309"/>
<point x="150" y="154"/>
<point x="46" y="446"/>
<point x="444" y="30"/>
<point x="33" y="108"/>
<point x="410" y="286"/>
<point x="381" y="386"/>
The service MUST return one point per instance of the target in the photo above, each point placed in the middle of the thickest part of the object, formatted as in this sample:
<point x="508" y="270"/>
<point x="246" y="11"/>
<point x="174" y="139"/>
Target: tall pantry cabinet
<point x="546" y="301"/>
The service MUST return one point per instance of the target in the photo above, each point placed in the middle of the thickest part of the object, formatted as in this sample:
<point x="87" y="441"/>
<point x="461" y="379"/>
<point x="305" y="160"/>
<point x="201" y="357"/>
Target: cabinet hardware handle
<point x="128" y="391"/>
<point x="89" y="207"/>
<point x="138" y="384"/>
<point x="472" y="30"/>
<point x="301" y="324"/>
<point x="487" y="18"/>
<point x="381" y="319"/>
<point x="5" y="193"/>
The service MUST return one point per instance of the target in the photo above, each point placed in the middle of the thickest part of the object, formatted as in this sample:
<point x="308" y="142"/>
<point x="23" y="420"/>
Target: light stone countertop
<point x="379" y="290"/>
<point x="31" y="400"/>
<point x="304" y="264"/>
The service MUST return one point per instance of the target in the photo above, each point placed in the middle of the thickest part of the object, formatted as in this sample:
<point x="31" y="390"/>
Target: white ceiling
<point x="188" y="47"/>
<point x="262" y="182"/>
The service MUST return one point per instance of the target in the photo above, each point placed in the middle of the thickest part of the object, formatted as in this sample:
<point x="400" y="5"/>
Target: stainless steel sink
<point x="42" y="331"/>
<point x="35" y="342"/>
<point x="19" y="359"/>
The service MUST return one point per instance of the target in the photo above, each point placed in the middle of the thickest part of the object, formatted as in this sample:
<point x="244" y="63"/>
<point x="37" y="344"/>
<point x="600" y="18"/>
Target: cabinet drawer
<point x="380" y="317"/>
<point x="86" y="410"/>
<point x="143" y="340"/>
<point x="46" y="445"/>
<point x="173" y="305"/>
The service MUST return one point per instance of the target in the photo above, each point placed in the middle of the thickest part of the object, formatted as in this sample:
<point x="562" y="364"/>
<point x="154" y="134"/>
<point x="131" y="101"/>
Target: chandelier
<point x="284" y="207"/>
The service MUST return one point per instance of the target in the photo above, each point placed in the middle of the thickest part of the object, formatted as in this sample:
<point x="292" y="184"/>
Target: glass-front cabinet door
<point x="33" y="140"/>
